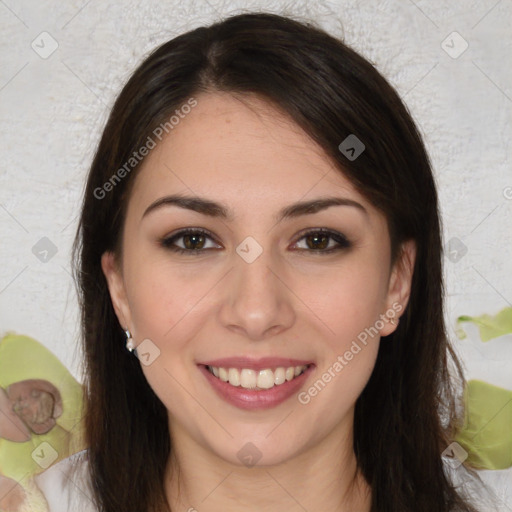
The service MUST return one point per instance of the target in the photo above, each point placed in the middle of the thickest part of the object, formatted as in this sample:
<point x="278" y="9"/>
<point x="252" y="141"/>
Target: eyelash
<point x="340" y="239"/>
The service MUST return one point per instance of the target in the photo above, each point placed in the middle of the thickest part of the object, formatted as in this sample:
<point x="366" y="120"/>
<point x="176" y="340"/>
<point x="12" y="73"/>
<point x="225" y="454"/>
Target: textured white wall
<point x="53" y="109"/>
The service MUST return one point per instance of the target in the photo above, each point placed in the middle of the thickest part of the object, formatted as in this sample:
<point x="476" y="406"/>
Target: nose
<point x="257" y="303"/>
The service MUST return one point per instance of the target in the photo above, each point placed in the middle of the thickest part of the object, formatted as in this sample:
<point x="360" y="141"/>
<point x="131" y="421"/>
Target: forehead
<point x="242" y="151"/>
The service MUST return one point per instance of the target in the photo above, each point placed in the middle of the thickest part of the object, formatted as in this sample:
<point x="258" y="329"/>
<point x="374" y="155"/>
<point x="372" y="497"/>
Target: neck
<point x="318" y="478"/>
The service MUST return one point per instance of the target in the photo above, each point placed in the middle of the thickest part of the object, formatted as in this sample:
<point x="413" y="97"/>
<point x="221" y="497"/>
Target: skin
<point x="292" y="301"/>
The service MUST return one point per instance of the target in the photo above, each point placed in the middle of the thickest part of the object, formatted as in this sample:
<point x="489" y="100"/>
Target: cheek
<point x="345" y="298"/>
<point x="169" y="307"/>
<point x="160" y="295"/>
<point x="349" y="299"/>
<point x="350" y="351"/>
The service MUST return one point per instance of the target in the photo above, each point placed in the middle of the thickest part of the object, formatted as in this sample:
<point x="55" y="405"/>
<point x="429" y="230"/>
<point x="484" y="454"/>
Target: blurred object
<point x="490" y="326"/>
<point x="41" y="410"/>
<point x="487" y="432"/>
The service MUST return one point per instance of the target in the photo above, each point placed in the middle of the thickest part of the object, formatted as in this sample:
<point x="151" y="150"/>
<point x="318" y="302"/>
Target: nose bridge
<point x="254" y="280"/>
<point x="257" y="302"/>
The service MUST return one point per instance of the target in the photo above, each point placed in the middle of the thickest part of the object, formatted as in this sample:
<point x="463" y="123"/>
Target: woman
<point x="261" y="225"/>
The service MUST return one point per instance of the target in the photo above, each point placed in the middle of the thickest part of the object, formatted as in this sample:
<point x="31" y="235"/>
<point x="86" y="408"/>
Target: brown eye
<point x="193" y="241"/>
<point x="324" y="241"/>
<point x="317" y="241"/>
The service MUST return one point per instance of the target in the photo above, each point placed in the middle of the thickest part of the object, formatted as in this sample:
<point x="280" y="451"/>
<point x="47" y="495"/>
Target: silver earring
<point x="395" y="322"/>
<point x="129" y="341"/>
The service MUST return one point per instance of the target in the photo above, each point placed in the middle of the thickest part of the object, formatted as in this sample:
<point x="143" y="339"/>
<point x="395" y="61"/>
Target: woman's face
<point x="260" y="284"/>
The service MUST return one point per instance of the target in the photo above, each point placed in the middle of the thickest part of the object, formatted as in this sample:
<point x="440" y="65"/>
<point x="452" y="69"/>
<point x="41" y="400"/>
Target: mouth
<point x="257" y="380"/>
<point x="261" y="387"/>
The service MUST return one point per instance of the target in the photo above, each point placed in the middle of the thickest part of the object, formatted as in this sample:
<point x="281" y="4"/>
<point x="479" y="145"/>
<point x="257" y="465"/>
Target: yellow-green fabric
<point x="487" y="433"/>
<point x="23" y="358"/>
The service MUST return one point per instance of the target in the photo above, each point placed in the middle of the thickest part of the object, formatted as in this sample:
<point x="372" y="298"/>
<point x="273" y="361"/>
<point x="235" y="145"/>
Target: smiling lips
<point x="254" y="379"/>
<point x="244" y="380"/>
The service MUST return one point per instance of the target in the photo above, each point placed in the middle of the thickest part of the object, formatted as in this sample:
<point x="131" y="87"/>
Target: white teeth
<point x="279" y="375"/>
<point x="266" y="379"/>
<point x="247" y="378"/>
<point x="252" y="379"/>
<point x="234" y="377"/>
<point x="223" y="374"/>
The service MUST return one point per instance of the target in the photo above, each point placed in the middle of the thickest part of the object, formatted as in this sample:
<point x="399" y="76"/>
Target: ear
<point x="399" y="288"/>
<point x="111" y="270"/>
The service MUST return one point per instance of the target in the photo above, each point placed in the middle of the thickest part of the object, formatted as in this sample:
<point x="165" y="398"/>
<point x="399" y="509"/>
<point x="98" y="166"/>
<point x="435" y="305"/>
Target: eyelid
<point x="326" y="231"/>
<point x="341" y="240"/>
<point x="167" y="240"/>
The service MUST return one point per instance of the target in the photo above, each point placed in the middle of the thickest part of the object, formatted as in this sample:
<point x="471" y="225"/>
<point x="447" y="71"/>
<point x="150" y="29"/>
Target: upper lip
<point x="255" y="364"/>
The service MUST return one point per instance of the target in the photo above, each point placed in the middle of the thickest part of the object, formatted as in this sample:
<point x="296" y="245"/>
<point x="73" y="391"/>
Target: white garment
<point x="66" y="485"/>
<point x="483" y="494"/>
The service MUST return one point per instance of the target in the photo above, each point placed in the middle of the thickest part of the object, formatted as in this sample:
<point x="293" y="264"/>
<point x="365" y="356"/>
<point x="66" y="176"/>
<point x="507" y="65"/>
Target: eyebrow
<point x="218" y="210"/>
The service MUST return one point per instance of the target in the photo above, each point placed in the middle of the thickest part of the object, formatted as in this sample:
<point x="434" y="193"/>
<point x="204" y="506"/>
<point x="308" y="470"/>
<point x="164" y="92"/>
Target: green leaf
<point x="491" y="326"/>
<point x="486" y="435"/>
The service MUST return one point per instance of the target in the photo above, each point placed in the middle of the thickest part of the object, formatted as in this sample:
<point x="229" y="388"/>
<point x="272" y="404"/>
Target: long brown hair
<point x="331" y="92"/>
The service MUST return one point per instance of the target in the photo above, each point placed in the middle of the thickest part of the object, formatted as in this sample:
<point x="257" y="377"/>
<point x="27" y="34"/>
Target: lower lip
<point x="262" y="399"/>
